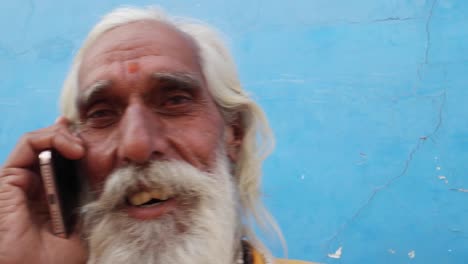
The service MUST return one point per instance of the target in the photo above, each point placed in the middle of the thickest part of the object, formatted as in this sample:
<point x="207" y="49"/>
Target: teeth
<point x="159" y="195"/>
<point x="140" y="198"/>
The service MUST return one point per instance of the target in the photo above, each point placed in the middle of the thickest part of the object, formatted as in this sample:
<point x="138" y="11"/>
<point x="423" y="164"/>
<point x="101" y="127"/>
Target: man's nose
<point x="141" y="136"/>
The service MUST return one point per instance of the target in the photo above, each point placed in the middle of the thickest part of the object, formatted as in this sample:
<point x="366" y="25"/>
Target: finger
<point x="65" y="125"/>
<point x="31" y="144"/>
<point x="26" y="180"/>
<point x="40" y="210"/>
<point x="63" y="121"/>
<point x="70" y="136"/>
<point x="67" y="139"/>
<point x="11" y="198"/>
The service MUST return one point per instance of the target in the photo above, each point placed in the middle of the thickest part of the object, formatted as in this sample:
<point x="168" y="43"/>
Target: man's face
<point x="143" y="97"/>
<point x="156" y="145"/>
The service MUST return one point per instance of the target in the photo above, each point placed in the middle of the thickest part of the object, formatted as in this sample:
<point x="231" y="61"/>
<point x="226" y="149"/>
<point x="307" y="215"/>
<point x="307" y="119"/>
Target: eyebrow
<point x="180" y="80"/>
<point x="93" y="90"/>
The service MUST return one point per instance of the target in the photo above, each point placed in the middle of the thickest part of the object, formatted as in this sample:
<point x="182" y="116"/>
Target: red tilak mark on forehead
<point x="133" y="67"/>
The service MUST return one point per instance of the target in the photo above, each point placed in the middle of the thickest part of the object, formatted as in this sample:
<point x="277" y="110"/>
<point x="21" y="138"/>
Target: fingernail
<point x="79" y="147"/>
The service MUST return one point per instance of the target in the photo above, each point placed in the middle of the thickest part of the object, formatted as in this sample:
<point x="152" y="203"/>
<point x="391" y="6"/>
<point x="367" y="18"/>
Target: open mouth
<point x="143" y="199"/>
<point x="146" y="205"/>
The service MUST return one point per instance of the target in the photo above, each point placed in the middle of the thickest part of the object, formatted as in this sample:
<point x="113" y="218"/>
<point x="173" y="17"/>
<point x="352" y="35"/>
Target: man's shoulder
<point x="290" y="261"/>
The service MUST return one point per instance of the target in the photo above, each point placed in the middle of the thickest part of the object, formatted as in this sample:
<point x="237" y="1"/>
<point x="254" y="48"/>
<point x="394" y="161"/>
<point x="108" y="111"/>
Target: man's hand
<point x="25" y="235"/>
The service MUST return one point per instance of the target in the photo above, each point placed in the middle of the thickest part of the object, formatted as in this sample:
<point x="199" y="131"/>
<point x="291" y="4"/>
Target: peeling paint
<point x="443" y="178"/>
<point x="459" y="190"/>
<point x="412" y="254"/>
<point x="388" y="183"/>
<point x="337" y="253"/>
<point x="363" y="158"/>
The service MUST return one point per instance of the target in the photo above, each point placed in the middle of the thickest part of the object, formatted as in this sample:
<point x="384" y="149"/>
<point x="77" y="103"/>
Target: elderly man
<point x="167" y="141"/>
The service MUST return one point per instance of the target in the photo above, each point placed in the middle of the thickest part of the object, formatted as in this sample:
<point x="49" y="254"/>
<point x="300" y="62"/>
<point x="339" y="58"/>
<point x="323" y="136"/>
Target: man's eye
<point x="177" y="100"/>
<point x="101" y="118"/>
<point x="102" y="113"/>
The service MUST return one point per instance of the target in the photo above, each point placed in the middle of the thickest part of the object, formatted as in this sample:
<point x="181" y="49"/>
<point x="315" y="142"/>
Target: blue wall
<point x="367" y="99"/>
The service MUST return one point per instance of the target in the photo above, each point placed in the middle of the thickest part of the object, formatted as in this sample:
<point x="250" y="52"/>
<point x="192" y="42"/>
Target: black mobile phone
<point x="62" y="188"/>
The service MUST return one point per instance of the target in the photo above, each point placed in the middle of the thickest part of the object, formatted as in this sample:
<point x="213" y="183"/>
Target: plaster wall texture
<point x="367" y="99"/>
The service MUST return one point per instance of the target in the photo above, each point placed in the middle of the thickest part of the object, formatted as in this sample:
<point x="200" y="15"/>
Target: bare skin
<point x="25" y="235"/>
<point x="137" y="117"/>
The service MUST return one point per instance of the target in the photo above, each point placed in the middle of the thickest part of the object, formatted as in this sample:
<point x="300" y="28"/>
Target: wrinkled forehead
<point x="140" y="39"/>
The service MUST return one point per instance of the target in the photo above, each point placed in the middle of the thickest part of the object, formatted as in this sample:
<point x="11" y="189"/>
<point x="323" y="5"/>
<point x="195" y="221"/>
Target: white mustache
<point x="171" y="177"/>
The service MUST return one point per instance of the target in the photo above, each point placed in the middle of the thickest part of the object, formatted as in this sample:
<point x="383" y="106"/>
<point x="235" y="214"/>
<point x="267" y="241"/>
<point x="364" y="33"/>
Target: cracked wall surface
<point x="367" y="100"/>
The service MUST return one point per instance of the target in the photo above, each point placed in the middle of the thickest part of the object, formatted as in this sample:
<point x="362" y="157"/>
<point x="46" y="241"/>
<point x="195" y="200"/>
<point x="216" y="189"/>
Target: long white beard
<point x="204" y="228"/>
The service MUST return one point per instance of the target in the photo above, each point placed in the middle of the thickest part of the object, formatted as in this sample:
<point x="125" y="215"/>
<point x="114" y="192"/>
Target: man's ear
<point x="234" y="138"/>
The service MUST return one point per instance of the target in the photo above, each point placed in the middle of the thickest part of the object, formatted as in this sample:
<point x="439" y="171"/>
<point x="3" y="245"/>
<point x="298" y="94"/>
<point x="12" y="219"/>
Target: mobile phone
<point x="62" y="189"/>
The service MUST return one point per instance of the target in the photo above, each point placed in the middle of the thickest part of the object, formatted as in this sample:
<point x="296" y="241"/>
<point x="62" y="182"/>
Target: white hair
<point x="211" y="202"/>
<point x="223" y="83"/>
